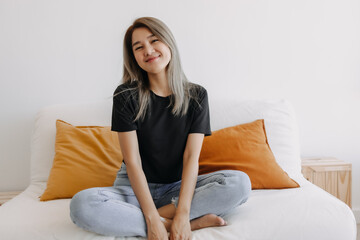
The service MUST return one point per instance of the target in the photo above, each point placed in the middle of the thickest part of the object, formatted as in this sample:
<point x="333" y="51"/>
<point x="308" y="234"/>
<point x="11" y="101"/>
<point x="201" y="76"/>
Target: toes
<point x="221" y="221"/>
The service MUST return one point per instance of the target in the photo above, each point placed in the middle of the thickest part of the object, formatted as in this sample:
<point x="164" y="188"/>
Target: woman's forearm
<point x="189" y="177"/>
<point x="190" y="172"/>
<point x="130" y="149"/>
<point x="142" y="192"/>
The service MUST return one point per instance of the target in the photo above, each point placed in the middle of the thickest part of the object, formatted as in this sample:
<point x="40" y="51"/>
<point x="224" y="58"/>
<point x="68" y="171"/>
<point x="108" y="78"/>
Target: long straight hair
<point x="182" y="90"/>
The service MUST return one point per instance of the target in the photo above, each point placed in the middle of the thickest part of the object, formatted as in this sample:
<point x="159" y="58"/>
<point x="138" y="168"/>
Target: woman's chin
<point x="155" y="71"/>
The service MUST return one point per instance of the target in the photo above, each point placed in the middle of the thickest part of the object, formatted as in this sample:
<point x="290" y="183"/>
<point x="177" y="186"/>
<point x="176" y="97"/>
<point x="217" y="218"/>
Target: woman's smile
<point x="152" y="59"/>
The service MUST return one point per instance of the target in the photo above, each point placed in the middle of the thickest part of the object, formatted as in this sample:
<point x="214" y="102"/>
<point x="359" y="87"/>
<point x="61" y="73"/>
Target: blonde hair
<point x="182" y="90"/>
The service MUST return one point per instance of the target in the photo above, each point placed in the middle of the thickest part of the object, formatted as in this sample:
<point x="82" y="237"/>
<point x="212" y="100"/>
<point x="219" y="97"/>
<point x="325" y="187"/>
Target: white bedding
<point x="307" y="212"/>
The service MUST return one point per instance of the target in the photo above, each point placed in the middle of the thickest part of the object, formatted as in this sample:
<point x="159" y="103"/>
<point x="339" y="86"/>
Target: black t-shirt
<point x="161" y="136"/>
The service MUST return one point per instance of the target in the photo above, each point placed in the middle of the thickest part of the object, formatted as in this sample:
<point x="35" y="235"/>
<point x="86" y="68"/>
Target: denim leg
<point x="217" y="192"/>
<point x="112" y="211"/>
<point x="220" y="192"/>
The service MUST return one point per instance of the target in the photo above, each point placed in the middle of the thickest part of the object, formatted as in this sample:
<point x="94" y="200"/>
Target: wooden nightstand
<point x="6" y="196"/>
<point x="331" y="174"/>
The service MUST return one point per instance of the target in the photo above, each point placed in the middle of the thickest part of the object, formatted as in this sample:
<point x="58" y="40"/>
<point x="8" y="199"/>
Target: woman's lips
<point x="152" y="59"/>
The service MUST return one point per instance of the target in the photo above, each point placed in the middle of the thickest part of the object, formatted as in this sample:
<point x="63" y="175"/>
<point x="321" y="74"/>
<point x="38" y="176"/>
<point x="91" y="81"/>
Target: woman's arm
<point x="180" y="228"/>
<point x="130" y="150"/>
<point x="190" y="171"/>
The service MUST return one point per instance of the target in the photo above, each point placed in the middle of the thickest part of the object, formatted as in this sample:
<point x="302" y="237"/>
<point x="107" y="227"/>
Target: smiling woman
<point x="151" y="54"/>
<point x="161" y="119"/>
<point x="164" y="78"/>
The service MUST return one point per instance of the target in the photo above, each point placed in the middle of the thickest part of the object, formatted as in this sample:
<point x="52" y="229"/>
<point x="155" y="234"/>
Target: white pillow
<point x="280" y="125"/>
<point x="43" y="138"/>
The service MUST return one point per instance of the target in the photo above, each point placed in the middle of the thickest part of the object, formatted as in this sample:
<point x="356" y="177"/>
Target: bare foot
<point x="209" y="220"/>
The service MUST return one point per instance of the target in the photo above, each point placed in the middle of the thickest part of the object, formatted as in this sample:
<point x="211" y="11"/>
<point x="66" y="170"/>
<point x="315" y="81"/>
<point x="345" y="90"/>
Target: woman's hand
<point x="156" y="231"/>
<point x="180" y="227"/>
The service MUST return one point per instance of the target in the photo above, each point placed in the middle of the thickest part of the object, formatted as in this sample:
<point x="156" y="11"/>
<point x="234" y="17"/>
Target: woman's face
<point x="150" y="53"/>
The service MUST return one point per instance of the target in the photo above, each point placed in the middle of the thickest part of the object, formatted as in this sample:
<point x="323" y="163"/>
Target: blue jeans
<point x="115" y="211"/>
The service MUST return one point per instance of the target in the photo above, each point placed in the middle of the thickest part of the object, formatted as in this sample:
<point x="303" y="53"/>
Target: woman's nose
<point x="148" y="49"/>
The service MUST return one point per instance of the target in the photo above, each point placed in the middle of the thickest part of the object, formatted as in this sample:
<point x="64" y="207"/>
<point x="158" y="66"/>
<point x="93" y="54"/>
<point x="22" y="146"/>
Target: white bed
<point x="307" y="212"/>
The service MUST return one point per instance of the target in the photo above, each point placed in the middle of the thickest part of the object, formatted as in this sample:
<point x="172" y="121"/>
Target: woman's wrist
<point x="152" y="217"/>
<point x="183" y="212"/>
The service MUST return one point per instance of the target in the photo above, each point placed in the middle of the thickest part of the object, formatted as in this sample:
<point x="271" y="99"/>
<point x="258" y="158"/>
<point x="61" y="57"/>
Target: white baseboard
<point x="357" y="215"/>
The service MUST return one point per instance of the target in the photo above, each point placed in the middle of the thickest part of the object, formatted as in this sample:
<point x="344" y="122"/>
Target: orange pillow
<point x="244" y="147"/>
<point x="85" y="157"/>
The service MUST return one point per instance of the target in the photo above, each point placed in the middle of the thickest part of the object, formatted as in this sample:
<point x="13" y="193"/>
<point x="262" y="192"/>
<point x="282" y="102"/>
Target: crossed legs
<point x="116" y="211"/>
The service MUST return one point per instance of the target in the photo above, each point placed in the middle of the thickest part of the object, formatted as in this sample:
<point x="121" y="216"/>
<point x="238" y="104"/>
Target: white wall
<point x="71" y="51"/>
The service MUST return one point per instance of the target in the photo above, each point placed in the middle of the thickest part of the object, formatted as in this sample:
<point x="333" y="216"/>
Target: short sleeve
<point x="201" y="118"/>
<point x="124" y="111"/>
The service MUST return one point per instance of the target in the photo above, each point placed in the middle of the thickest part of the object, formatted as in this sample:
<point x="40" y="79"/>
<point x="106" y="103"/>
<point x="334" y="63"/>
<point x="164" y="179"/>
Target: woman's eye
<point x="138" y="48"/>
<point x="155" y="40"/>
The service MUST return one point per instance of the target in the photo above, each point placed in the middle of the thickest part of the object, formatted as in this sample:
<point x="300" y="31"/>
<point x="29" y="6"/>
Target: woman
<point x="161" y="120"/>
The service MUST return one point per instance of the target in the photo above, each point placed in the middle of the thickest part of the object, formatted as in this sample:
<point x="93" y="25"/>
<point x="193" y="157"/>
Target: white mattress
<point x="307" y="212"/>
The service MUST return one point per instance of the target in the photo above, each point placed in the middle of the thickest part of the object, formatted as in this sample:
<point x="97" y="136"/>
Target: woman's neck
<point x="159" y="84"/>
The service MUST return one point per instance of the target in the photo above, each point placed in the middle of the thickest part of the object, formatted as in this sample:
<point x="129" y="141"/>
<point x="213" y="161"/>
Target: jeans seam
<point x="201" y="188"/>
<point x="121" y="202"/>
<point x="207" y="177"/>
<point x="101" y="192"/>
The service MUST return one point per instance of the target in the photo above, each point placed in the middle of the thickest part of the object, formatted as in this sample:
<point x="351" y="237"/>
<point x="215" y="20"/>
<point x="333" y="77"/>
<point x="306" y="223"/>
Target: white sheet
<point x="301" y="213"/>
